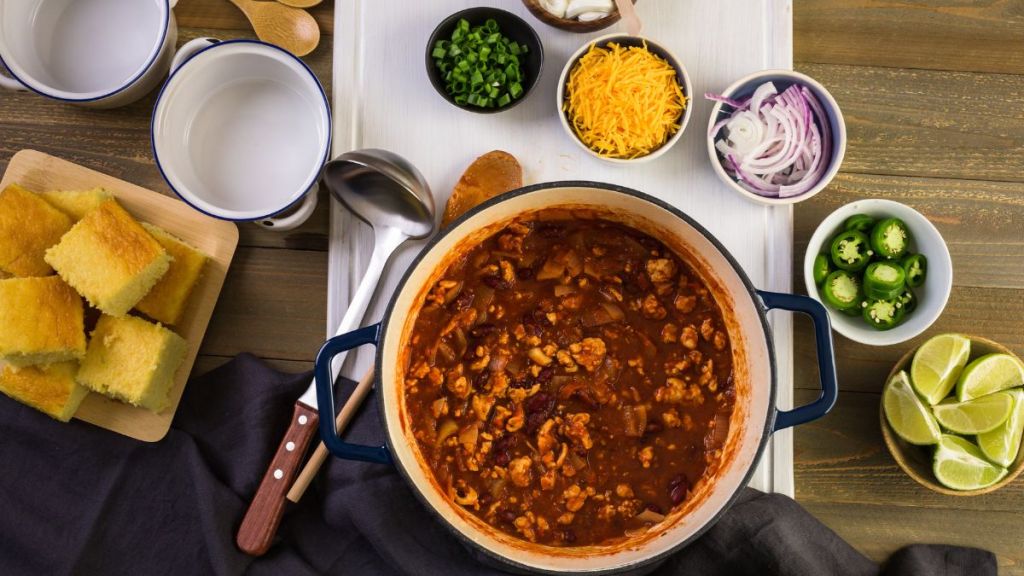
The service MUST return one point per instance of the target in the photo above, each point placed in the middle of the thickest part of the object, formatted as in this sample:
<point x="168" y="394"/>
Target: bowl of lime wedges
<point x="952" y="414"/>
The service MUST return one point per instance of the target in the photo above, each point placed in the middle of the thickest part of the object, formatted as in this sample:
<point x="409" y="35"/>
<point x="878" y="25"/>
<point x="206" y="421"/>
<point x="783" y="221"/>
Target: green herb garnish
<point x="480" y="66"/>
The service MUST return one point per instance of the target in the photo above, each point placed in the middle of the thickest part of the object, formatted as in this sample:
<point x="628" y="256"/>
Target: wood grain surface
<point x="933" y="94"/>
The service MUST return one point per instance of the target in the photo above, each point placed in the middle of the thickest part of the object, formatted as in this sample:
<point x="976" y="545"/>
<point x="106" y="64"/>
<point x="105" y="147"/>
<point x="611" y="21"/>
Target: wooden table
<point x="933" y="95"/>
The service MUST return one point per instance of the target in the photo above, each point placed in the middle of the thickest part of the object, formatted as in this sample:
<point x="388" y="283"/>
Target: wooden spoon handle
<point x="629" y="17"/>
<point x="348" y="411"/>
<point x="264" y="514"/>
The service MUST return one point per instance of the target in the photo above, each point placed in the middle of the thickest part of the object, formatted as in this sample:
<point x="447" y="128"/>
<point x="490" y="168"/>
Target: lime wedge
<point x="988" y="374"/>
<point x="960" y="465"/>
<point x="975" y="416"/>
<point x="907" y="415"/>
<point x="937" y="364"/>
<point x="1002" y="444"/>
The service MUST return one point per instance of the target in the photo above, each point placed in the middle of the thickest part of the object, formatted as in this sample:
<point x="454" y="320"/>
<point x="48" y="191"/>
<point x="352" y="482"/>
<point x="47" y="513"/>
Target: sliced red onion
<point x="776" y="145"/>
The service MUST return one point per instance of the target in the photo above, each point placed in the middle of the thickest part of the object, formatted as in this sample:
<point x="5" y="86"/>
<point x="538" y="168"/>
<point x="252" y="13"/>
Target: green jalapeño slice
<point x="851" y="250"/>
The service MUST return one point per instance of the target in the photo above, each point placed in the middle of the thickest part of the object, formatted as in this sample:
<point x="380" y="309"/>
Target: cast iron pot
<point x="744" y="308"/>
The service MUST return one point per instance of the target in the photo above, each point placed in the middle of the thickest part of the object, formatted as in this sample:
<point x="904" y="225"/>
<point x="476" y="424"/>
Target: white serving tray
<point x="383" y="99"/>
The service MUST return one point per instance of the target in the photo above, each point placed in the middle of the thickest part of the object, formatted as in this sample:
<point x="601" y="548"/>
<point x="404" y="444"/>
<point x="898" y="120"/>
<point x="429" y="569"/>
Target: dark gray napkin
<point x="75" y="499"/>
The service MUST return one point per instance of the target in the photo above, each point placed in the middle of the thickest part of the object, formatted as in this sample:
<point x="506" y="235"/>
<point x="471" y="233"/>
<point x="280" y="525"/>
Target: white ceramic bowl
<point x="925" y="239"/>
<point x="627" y="40"/>
<point x="783" y="79"/>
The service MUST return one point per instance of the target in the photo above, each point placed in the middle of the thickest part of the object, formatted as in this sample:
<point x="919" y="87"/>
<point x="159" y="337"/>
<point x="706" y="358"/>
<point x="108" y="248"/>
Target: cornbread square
<point x="28" y="226"/>
<point x="50" y="388"/>
<point x="42" y="320"/>
<point x="76" y="203"/>
<point x="132" y="360"/>
<point x="166" y="301"/>
<point x="110" y="259"/>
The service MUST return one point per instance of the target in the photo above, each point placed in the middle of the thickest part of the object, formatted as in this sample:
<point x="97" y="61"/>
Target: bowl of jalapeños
<point x="882" y="270"/>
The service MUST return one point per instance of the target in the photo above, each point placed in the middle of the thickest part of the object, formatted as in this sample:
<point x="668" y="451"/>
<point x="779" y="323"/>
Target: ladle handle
<point x="384" y="244"/>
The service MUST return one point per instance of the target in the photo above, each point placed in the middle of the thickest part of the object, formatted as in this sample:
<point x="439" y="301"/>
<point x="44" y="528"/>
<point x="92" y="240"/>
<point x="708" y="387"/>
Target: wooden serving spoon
<point x="290" y="28"/>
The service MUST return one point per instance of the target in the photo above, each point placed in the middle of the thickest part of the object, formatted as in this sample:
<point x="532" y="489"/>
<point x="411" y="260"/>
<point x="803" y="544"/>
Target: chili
<point x="569" y="381"/>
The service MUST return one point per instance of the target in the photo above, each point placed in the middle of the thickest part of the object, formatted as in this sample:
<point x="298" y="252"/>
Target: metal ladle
<point x="388" y="193"/>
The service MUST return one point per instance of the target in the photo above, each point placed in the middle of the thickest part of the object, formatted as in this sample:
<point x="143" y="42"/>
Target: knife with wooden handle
<point x="261" y="520"/>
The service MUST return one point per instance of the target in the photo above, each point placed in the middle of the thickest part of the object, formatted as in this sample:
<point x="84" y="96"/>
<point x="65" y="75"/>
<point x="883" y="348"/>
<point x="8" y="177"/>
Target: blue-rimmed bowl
<point x="241" y="131"/>
<point x="754" y="418"/>
<point x="783" y="79"/>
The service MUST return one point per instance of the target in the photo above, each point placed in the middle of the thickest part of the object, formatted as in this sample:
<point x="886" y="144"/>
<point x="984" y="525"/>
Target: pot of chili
<point x="576" y="378"/>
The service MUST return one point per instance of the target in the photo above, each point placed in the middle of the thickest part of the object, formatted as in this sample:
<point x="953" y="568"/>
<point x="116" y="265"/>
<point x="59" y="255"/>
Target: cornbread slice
<point x="42" y="320"/>
<point x="166" y="301"/>
<point x="28" y="226"/>
<point x="50" y="388"/>
<point x="110" y="259"/>
<point x="132" y="360"/>
<point x="76" y="203"/>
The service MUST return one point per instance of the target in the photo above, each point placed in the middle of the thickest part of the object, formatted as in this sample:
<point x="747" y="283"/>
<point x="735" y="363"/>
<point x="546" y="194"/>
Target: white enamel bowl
<point x="625" y="40"/>
<point x="783" y="79"/>
<point x="241" y="131"/>
<point x="94" y="53"/>
<point x="931" y="296"/>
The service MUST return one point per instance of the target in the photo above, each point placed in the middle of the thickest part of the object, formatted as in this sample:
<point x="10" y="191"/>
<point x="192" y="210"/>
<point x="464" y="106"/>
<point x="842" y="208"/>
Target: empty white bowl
<point x="925" y="239"/>
<point x="743" y="88"/>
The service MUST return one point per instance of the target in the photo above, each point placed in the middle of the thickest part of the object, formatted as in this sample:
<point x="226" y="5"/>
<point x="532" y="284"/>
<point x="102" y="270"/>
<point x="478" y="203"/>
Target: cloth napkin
<point x="76" y="499"/>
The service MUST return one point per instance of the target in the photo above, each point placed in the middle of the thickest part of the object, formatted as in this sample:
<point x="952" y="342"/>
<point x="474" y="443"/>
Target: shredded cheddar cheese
<point x="623" y="102"/>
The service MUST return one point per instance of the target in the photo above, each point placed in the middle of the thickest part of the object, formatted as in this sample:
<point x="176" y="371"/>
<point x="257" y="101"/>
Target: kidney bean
<point x="481" y="380"/>
<point x="495" y="282"/>
<point x="538" y="408"/>
<point x="461" y="302"/>
<point x="654" y="508"/>
<point x="568" y="536"/>
<point x="677" y="489"/>
<point x="482" y="330"/>
<point x="508" y="516"/>
<point x="545" y="375"/>
<point x="502" y="449"/>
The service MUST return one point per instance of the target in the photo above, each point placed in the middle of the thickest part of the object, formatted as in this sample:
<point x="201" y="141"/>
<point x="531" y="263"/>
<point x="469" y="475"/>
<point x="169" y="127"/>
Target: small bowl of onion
<point x="776" y="136"/>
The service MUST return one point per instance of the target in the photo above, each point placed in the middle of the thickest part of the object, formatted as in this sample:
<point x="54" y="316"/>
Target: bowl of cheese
<point x="624" y="98"/>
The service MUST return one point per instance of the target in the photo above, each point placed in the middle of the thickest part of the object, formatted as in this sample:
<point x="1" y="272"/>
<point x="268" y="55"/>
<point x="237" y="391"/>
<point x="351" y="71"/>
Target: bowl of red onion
<point x="776" y="136"/>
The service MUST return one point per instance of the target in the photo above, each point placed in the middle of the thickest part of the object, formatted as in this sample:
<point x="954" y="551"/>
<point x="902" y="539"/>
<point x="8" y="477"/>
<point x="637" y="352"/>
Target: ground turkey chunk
<point x="661" y="270"/>
<point x="519" y="471"/>
<point x="588" y="353"/>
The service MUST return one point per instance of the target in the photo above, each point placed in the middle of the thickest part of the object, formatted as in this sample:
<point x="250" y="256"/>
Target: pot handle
<point x="325" y="397"/>
<point x="826" y="358"/>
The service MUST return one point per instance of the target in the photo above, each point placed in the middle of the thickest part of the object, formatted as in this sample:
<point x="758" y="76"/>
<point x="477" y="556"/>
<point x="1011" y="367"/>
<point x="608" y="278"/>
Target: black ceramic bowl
<point x="513" y="27"/>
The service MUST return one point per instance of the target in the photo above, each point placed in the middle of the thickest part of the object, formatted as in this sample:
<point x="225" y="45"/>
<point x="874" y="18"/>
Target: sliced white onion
<point x="579" y="7"/>
<point x="555" y="7"/>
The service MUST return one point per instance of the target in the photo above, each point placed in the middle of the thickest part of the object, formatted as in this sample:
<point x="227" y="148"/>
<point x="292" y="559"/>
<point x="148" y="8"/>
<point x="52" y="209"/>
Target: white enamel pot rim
<point x="752" y="423"/>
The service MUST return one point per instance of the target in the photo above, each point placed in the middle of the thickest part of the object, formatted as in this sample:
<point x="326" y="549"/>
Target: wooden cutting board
<point x="38" y="172"/>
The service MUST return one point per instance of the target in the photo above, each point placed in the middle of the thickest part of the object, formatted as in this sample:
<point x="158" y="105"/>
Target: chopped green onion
<point x="479" y="65"/>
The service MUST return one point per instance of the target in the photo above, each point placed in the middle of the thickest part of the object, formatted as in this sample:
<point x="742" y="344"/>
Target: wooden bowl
<point x="916" y="461"/>
<point x="570" y="25"/>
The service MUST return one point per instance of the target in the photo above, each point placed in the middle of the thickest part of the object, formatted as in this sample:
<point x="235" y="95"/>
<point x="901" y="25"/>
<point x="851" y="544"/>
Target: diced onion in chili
<point x="651" y="516"/>
<point x="563" y="290"/>
<point x="774" y="145"/>
<point x="445" y="431"/>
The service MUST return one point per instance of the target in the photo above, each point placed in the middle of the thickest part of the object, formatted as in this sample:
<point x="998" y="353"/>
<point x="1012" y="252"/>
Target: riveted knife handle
<point x="264" y="514"/>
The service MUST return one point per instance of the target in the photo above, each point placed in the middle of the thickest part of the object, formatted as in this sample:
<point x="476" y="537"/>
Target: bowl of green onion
<point x="484" y="59"/>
